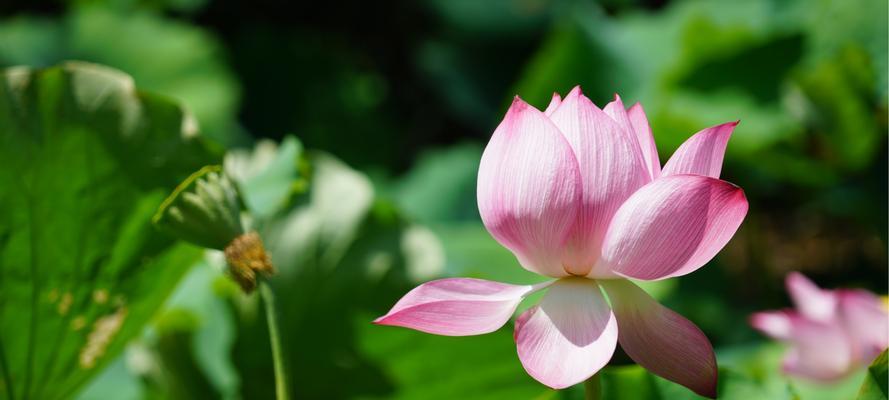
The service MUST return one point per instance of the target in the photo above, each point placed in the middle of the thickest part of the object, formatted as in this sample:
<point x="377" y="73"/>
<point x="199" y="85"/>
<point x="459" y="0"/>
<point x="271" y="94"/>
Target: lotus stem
<point x="282" y="387"/>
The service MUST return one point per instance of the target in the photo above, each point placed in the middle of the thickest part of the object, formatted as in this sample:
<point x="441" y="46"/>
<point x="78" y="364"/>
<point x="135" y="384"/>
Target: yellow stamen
<point x="246" y="259"/>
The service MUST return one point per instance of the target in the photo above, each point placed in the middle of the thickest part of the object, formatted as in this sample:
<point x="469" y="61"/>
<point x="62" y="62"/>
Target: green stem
<point x="282" y="388"/>
<point x="592" y="388"/>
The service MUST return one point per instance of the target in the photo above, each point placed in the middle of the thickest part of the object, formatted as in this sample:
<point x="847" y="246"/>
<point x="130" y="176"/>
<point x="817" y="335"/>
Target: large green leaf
<point x="86" y="159"/>
<point x="197" y="311"/>
<point x="876" y="380"/>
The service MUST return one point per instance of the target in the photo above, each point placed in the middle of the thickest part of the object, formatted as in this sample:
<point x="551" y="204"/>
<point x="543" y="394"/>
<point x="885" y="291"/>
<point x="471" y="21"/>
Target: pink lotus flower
<point x="577" y="194"/>
<point x="831" y="333"/>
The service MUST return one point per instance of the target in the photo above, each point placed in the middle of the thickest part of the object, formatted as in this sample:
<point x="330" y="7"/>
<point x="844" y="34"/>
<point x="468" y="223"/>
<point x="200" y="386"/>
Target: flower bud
<point x="204" y="210"/>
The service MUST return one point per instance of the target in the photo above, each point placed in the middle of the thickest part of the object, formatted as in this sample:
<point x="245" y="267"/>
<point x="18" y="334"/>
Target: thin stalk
<point x="592" y="388"/>
<point x="282" y="387"/>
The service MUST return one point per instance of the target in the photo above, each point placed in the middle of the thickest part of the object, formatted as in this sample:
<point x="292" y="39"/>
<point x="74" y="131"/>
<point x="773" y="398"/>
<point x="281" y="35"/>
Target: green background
<point x="355" y="131"/>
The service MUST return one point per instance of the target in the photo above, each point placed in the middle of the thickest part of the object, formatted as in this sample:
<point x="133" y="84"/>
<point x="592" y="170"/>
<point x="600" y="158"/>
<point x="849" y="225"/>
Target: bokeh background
<point x="388" y="105"/>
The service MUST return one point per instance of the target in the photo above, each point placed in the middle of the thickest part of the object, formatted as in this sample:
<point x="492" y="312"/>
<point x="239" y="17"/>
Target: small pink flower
<point x="831" y="333"/>
<point x="577" y="194"/>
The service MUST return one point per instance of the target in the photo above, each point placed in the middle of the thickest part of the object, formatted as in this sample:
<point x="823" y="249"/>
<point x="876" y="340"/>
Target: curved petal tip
<point x="673" y="226"/>
<point x="702" y="153"/>
<point x="661" y="340"/>
<point x="518" y="105"/>
<point x="775" y="324"/>
<point x="554" y="103"/>
<point x="456" y="306"/>
<point x="575" y="91"/>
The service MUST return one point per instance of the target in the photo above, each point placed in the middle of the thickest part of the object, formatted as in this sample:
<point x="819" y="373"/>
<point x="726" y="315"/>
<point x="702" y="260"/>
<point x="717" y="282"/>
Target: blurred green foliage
<point x="164" y="56"/>
<point x="392" y="103"/>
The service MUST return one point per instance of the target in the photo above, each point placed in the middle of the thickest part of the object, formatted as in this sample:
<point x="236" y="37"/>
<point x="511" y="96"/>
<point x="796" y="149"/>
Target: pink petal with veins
<point x="611" y="169"/>
<point x="702" y="153"/>
<point x="661" y="340"/>
<point x="529" y="189"/>
<point x="457" y="306"/>
<point x="642" y="129"/>
<point x="673" y="226"/>
<point x="569" y="336"/>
